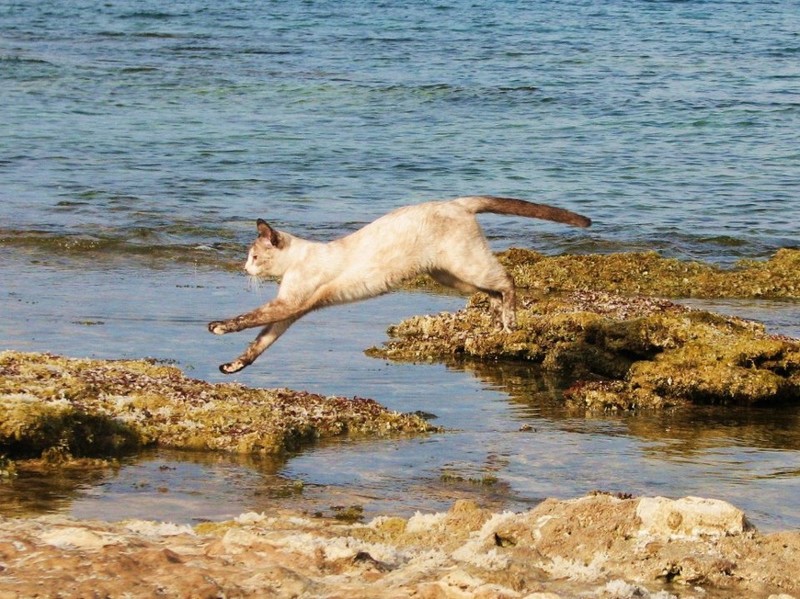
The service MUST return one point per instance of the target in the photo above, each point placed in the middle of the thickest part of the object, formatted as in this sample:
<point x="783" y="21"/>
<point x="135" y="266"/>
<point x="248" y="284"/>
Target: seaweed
<point x="57" y="407"/>
<point x="648" y="273"/>
<point x="620" y="352"/>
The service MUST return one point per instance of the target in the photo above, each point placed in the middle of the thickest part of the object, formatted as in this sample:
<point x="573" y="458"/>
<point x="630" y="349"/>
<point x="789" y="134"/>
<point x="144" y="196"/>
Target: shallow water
<point x="129" y="127"/>
<point x="509" y="441"/>
<point x="140" y="142"/>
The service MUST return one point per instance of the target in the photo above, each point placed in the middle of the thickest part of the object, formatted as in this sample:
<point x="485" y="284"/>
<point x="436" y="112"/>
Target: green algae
<point x="56" y="407"/>
<point x="450" y="476"/>
<point x="620" y="352"/>
<point x="647" y="273"/>
<point x="350" y="513"/>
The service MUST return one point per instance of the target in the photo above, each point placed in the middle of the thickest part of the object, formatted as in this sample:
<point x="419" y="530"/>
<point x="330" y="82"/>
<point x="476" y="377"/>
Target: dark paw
<point x="218" y="327"/>
<point x="232" y="367"/>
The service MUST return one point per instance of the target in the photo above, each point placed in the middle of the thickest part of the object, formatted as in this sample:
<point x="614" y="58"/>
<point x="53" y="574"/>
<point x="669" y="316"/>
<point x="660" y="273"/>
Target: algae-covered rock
<point x="624" y="352"/>
<point x="53" y="405"/>
<point x="648" y="273"/>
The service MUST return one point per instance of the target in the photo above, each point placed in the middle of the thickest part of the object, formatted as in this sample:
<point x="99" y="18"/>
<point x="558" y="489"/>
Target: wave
<point x="156" y="15"/>
<point x="23" y="60"/>
<point x="220" y="249"/>
<point x="139" y="247"/>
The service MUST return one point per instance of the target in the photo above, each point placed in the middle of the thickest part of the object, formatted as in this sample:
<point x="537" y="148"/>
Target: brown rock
<point x="595" y="546"/>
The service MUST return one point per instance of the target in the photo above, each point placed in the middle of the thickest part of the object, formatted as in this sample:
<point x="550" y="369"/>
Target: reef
<point x="55" y="409"/>
<point x="618" y="352"/>
<point x="648" y="273"/>
<point x="594" y="546"/>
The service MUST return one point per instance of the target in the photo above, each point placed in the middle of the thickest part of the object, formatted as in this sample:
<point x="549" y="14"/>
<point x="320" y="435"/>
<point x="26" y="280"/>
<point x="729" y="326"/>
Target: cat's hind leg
<point x="498" y="299"/>
<point x="268" y="335"/>
<point x="483" y="272"/>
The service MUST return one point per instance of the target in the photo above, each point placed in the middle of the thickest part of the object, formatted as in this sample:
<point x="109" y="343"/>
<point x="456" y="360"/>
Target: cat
<point x="440" y="238"/>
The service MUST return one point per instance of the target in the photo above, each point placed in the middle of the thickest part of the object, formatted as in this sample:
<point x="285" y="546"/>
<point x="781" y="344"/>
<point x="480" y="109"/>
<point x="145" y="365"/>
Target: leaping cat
<point x="442" y="239"/>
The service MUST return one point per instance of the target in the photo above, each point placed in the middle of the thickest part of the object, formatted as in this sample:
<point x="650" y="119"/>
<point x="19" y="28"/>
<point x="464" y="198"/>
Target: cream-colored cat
<point x="442" y="239"/>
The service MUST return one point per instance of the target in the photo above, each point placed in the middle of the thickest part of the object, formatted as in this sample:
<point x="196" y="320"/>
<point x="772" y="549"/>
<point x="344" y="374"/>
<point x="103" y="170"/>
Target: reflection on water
<point x="31" y="493"/>
<point x="537" y="395"/>
<point x="184" y="487"/>
<point x="511" y="442"/>
<point x="178" y="486"/>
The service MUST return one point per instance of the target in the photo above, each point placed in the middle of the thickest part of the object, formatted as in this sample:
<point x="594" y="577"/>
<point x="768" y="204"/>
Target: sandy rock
<point x="72" y="537"/>
<point x="595" y="546"/>
<point x="689" y="517"/>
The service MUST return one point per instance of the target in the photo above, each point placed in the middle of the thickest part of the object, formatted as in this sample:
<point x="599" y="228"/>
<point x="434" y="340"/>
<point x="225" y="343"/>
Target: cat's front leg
<point x="232" y="367"/>
<point x="234" y="325"/>
<point x="265" y="338"/>
<point x="238" y="323"/>
<point x="220" y="327"/>
<point x="274" y="311"/>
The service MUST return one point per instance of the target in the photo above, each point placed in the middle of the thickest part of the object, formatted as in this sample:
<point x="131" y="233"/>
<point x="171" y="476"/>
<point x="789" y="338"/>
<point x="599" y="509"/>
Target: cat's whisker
<point x="254" y="284"/>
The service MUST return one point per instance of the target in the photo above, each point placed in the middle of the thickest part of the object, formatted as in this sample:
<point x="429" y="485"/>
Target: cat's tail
<point x="512" y="206"/>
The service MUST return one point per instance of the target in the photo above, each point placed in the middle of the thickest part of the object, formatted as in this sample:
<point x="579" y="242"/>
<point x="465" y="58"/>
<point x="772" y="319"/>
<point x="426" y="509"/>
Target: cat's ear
<point x="268" y="233"/>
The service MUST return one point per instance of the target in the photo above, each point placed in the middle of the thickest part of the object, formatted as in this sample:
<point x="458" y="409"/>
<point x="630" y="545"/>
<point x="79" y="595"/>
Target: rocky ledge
<point x="648" y="273"/>
<point x="584" y="317"/>
<point x="595" y="546"/>
<point x="55" y="409"/>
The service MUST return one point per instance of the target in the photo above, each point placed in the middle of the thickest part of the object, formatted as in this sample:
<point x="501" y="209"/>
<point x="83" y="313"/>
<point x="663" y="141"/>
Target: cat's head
<point x="265" y="256"/>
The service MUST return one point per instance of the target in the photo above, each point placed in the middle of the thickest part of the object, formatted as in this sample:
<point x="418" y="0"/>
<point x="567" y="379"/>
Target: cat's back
<point x="396" y="246"/>
<point x="408" y="222"/>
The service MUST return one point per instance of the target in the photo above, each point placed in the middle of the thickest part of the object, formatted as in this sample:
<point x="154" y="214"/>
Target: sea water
<point x="139" y="142"/>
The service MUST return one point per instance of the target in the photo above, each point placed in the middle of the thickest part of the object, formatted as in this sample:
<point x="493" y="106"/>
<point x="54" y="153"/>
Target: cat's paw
<point x="232" y="367"/>
<point x="218" y="327"/>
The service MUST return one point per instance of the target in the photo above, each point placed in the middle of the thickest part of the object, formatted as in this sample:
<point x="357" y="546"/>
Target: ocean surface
<point x="139" y="142"/>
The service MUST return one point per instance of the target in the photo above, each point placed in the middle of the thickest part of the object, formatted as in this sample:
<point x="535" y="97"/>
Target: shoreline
<point x="598" y="545"/>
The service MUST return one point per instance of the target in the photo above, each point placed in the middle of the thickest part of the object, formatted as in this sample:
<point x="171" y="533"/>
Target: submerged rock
<point x="598" y="546"/>
<point x="624" y="352"/>
<point x="57" y="408"/>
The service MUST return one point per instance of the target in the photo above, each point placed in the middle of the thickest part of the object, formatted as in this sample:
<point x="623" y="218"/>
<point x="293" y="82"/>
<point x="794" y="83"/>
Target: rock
<point x="622" y="353"/>
<point x="594" y="546"/>
<point x="647" y="273"/>
<point x="690" y="517"/>
<point x="72" y="537"/>
<point x="601" y="320"/>
<point x="54" y="409"/>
